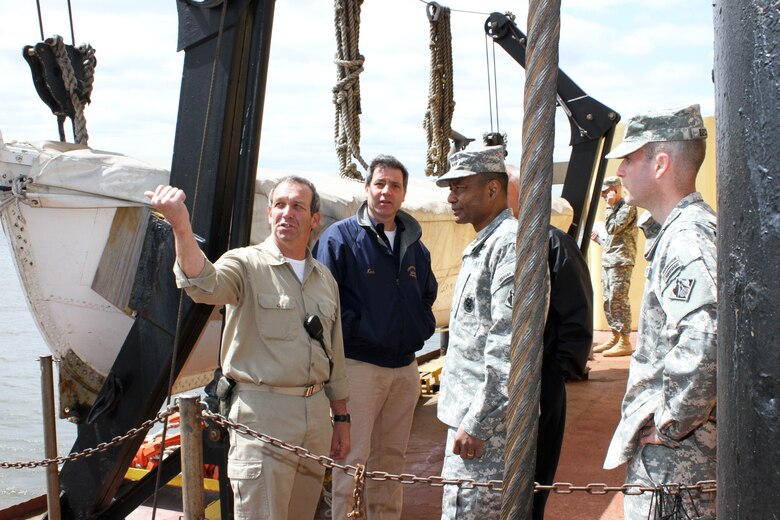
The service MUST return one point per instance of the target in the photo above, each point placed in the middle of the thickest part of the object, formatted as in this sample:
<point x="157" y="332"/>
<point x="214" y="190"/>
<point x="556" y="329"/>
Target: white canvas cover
<point x="75" y="176"/>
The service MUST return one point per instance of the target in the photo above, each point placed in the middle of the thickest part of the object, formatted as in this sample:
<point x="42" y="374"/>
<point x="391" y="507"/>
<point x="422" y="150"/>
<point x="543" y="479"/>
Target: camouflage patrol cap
<point x="676" y="124"/>
<point x="471" y="162"/>
<point x="611" y="182"/>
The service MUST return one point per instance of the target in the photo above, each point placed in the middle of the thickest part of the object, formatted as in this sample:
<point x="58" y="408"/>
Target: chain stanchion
<point x="359" y="483"/>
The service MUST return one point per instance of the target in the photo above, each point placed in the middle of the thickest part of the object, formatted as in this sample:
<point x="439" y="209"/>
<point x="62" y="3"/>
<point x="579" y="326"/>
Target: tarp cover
<point x="60" y="168"/>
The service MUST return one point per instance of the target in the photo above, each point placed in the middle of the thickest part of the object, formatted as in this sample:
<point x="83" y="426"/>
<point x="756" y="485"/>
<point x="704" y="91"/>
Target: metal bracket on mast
<point x="592" y="129"/>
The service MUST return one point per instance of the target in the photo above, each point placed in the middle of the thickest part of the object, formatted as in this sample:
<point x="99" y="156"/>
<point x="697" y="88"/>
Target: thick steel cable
<point x="531" y="271"/>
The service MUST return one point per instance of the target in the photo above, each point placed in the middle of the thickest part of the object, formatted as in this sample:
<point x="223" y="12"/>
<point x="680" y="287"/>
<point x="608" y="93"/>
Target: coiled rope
<point x="346" y="92"/>
<point x="441" y="100"/>
<point x="531" y="271"/>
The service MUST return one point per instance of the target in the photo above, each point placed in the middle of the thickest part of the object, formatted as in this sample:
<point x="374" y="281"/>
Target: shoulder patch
<point x="509" y="297"/>
<point x="683" y="287"/>
<point x="691" y="289"/>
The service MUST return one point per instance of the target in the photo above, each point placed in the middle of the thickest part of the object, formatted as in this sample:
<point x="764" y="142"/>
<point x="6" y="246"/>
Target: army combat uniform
<point x="672" y="378"/>
<point x="617" y="262"/>
<point x="476" y="368"/>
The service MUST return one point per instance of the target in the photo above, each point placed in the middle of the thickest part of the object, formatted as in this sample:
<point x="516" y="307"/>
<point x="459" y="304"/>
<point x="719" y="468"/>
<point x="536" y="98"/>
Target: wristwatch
<point x="340" y="418"/>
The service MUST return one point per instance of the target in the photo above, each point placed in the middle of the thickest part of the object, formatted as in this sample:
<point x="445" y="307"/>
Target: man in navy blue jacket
<point x="387" y="290"/>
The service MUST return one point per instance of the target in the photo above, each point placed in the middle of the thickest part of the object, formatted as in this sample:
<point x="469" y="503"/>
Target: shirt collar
<point x="275" y="256"/>
<point x="691" y="198"/>
<point x="488" y="230"/>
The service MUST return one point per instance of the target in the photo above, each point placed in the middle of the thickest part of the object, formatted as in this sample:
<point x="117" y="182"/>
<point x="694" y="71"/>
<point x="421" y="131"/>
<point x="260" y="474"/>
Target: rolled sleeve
<point x="205" y="281"/>
<point x="218" y="283"/>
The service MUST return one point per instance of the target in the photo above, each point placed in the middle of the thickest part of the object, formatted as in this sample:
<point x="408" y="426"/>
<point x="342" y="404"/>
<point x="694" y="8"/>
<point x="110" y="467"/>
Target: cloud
<point x="628" y="55"/>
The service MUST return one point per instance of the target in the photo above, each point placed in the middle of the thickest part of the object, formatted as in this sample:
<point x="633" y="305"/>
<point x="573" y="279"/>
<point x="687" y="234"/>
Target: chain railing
<point x="563" y="488"/>
<point x="360" y="474"/>
<point x="103" y="446"/>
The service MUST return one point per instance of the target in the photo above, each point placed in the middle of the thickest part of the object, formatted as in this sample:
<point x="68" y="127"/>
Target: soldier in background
<point x="667" y="431"/>
<point x="617" y="237"/>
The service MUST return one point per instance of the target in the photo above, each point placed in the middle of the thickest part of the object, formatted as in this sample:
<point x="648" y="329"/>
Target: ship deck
<point x="593" y="411"/>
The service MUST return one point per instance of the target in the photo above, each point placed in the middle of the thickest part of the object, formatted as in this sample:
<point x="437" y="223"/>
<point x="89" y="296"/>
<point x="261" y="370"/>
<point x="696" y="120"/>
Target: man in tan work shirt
<point x="269" y="291"/>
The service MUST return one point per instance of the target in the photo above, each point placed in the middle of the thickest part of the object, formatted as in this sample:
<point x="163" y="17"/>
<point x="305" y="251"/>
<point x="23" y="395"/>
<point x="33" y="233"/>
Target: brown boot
<point x="611" y="342"/>
<point x="622" y="348"/>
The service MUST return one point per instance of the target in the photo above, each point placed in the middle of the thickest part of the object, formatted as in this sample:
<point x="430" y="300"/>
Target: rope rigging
<point x="63" y="76"/>
<point x="441" y="101"/>
<point x="69" y="79"/>
<point x="346" y="92"/>
<point x="493" y="138"/>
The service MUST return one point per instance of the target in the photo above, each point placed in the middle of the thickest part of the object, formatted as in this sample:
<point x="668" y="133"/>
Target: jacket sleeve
<point x="430" y="291"/>
<point x="571" y="306"/>
<point x="617" y="221"/>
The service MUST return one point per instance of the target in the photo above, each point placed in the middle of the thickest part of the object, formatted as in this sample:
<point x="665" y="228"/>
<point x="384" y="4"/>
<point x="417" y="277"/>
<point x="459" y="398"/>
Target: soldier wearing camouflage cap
<point x="667" y="432"/>
<point x="617" y="238"/>
<point x="473" y="399"/>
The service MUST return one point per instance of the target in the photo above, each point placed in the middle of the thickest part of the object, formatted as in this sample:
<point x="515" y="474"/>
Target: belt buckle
<point x="309" y="391"/>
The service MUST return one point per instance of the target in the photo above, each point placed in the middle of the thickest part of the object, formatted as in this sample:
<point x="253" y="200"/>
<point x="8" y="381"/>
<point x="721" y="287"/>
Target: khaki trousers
<point x="268" y="482"/>
<point x="381" y="404"/>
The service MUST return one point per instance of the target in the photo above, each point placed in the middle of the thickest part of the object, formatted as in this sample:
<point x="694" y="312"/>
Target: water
<point x="21" y="426"/>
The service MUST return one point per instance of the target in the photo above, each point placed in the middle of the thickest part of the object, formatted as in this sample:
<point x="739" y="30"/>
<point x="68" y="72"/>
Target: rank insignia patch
<point x="682" y="289"/>
<point x="468" y="305"/>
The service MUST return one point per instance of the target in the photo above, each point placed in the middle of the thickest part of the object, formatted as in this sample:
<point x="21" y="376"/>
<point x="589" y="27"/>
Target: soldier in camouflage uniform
<point x="617" y="264"/>
<point x="473" y="399"/>
<point x="667" y="432"/>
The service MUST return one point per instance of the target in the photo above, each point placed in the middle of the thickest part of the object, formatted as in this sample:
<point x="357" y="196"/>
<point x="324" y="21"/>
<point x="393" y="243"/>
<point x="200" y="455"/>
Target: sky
<point x="632" y="56"/>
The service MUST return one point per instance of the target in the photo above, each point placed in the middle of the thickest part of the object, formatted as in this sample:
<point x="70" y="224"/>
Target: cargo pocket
<point x="277" y="316"/>
<point x="244" y="470"/>
<point x="250" y="494"/>
<point x="245" y="465"/>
